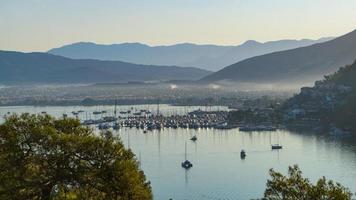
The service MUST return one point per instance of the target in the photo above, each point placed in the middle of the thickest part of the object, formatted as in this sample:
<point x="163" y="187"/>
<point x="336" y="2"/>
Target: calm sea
<point x="218" y="172"/>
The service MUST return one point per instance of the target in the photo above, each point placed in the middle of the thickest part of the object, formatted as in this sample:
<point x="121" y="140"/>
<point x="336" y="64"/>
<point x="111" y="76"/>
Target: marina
<point x="149" y="117"/>
<point x="109" y="117"/>
<point x="192" y="120"/>
<point x="95" y="115"/>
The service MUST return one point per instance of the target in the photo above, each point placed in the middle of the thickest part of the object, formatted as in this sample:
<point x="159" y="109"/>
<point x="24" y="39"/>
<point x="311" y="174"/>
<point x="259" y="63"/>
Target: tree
<point x="295" y="187"/>
<point x="46" y="158"/>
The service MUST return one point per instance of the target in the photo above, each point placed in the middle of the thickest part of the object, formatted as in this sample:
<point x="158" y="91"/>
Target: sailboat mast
<point x="158" y="107"/>
<point x="185" y="154"/>
<point x="128" y="141"/>
<point x="115" y="107"/>
<point x="139" y="158"/>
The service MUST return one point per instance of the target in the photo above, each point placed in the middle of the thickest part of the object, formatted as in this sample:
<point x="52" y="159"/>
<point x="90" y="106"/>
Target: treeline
<point x="345" y="75"/>
<point x="345" y="115"/>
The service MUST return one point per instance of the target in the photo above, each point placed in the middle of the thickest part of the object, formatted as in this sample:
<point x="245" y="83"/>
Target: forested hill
<point x="345" y="76"/>
<point x="22" y="68"/>
<point x="331" y="101"/>
<point x="345" y="115"/>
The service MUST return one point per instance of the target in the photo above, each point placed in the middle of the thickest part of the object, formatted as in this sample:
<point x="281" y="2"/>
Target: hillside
<point x="209" y="57"/>
<point x="345" y="115"/>
<point x="19" y="68"/>
<point x="301" y="65"/>
<point x="345" y="76"/>
<point x="332" y="100"/>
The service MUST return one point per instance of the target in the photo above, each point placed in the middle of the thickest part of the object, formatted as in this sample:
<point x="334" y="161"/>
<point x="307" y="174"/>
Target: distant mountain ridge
<point x="209" y="57"/>
<point x="300" y="65"/>
<point x="20" y="68"/>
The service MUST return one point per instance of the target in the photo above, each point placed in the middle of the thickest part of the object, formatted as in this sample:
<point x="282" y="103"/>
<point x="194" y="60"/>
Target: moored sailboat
<point x="186" y="164"/>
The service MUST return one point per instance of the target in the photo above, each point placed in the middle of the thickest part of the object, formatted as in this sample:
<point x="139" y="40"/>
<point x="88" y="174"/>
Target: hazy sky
<point x="38" y="25"/>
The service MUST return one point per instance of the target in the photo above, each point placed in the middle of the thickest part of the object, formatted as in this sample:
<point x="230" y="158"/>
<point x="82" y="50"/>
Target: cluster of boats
<point x="250" y="128"/>
<point x="157" y="122"/>
<point x="193" y="120"/>
<point x="145" y="120"/>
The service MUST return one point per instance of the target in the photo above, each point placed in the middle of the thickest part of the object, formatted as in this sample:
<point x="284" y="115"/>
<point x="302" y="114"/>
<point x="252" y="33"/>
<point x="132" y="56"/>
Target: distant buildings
<point x="312" y="102"/>
<point x="296" y="113"/>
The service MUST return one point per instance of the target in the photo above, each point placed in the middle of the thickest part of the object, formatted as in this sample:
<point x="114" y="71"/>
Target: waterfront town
<point x="249" y="111"/>
<point x="313" y="101"/>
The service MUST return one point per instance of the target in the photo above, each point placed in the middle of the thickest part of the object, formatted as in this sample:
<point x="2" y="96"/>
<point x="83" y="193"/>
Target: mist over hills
<point x="332" y="101"/>
<point x="22" y="68"/>
<point x="209" y="57"/>
<point x="301" y="65"/>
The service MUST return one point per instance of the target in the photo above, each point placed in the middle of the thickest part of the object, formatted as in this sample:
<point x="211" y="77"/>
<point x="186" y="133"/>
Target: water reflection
<point x="186" y="177"/>
<point x="220" y="173"/>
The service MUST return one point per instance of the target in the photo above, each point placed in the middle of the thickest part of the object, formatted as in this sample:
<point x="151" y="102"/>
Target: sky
<point x="39" y="25"/>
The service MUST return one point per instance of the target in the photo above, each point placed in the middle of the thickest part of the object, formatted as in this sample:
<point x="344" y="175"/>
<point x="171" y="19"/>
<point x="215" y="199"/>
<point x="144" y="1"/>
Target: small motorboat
<point x="187" y="164"/>
<point x="243" y="154"/>
<point x="194" y="138"/>
<point x="276" y="146"/>
<point x="88" y="122"/>
<point x="116" y="126"/>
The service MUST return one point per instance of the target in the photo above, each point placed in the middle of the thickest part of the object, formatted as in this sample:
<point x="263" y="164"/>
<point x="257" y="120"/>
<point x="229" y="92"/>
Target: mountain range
<point x="209" y="57"/>
<point x="23" y="68"/>
<point x="300" y="65"/>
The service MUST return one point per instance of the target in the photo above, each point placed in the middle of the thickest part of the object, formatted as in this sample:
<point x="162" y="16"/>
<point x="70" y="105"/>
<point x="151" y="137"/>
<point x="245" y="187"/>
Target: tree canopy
<point x="46" y="158"/>
<point x="295" y="187"/>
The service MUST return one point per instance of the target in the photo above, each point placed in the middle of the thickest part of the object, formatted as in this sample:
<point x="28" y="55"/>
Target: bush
<point x="295" y="187"/>
<point x="45" y="158"/>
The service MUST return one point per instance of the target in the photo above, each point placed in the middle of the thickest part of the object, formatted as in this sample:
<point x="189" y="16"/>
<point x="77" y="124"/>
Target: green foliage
<point x="345" y="76"/>
<point x="345" y="115"/>
<point x="45" y="158"/>
<point x="295" y="187"/>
